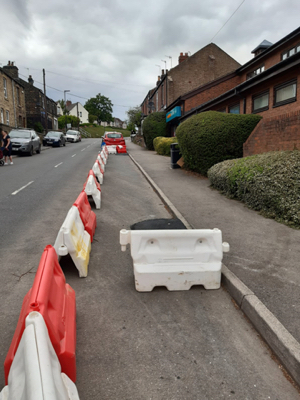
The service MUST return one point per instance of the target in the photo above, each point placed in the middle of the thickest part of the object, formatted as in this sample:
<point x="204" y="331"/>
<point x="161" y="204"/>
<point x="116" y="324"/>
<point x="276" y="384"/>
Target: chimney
<point x="158" y="80"/>
<point x="11" y="70"/>
<point x="68" y="103"/>
<point x="30" y="80"/>
<point x="182" y="57"/>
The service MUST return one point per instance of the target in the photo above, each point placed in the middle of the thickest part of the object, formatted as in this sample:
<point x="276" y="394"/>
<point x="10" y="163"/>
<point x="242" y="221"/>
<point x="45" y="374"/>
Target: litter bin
<point x="175" y="155"/>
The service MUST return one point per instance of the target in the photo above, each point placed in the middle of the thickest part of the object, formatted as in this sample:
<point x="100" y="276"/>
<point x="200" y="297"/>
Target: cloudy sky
<point x="116" y="47"/>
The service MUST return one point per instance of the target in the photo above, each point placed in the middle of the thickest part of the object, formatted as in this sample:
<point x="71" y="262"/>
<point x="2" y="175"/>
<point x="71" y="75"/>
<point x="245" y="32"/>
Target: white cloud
<point x="117" y="44"/>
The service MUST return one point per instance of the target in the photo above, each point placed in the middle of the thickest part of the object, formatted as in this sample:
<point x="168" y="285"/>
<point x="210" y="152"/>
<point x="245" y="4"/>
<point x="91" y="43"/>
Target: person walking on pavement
<point x="7" y="147"/>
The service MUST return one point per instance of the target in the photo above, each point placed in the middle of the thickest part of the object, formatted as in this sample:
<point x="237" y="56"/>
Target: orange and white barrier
<point x="35" y="373"/>
<point x="98" y="171"/>
<point x="92" y="188"/>
<point x="73" y="239"/>
<point x="177" y="259"/>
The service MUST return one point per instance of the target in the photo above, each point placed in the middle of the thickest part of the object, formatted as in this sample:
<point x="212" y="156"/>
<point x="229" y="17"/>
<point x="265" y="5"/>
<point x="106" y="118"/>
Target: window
<point x="5" y="87"/>
<point x="260" y="102"/>
<point x="20" y="120"/>
<point x="257" y="71"/>
<point x="290" y="52"/>
<point x="162" y="95"/>
<point x="2" y="116"/>
<point x="7" y="117"/>
<point x="43" y="102"/>
<point x="222" y="110"/>
<point x="234" y="109"/>
<point x="285" y="93"/>
<point x="80" y="113"/>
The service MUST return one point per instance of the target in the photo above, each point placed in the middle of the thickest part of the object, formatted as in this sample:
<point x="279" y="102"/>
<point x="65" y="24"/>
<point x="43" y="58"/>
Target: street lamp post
<point x="65" y="91"/>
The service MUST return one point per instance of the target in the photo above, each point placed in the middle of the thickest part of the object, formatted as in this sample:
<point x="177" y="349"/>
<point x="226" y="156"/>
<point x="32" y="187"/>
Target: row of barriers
<point x="41" y="363"/>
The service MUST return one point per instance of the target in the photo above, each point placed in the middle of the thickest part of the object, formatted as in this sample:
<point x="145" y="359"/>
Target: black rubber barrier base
<point x="160" y="223"/>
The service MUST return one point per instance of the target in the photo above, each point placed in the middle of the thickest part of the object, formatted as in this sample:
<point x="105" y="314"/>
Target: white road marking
<point x="83" y="149"/>
<point x="88" y="146"/>
<point x="58" y="165"/>
<point x="23" y="187"/>
<point x="73" y="155"/>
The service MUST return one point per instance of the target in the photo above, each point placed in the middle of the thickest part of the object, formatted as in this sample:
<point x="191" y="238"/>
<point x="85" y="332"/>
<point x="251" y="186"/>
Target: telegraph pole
<point x="45" y="101"/>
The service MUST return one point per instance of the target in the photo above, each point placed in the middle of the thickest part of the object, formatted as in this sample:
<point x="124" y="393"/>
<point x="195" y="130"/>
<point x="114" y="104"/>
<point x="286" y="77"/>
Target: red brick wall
<point x="281" y="132"/>
<point x="211" y="93"/>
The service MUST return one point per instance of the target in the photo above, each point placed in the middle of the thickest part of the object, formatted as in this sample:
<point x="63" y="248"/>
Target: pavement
<point x="261" y="271"/>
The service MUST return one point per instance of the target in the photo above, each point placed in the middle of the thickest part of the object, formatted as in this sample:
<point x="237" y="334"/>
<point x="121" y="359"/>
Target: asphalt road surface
<point x="159" y="345"/>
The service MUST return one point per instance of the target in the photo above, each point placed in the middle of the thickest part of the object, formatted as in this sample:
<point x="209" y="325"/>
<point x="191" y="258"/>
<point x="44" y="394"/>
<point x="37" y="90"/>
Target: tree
<point x="134" y="117"/>
<point x="100" y="106"/>
<point x="68" y="119"/>
<point x="92" y="118"/>
<point x="154" y="126"/>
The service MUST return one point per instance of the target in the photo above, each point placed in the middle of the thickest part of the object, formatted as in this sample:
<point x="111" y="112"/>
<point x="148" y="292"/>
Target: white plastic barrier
<point x="74" y="240"/>
<point x="35" y="373"/>
<point x="177" y="259"/>
<point x="97" y="172"/>
<point x="92" y="190"/>
<point x="112" y="149"/>
<point x="100" y="159"/>
<point x="104" y="156"/>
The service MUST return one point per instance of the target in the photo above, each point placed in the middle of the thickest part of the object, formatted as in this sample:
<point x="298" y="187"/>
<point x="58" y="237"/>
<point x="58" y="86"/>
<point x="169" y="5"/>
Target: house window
<point x="5" y="87"/>
<point x="80" y="113"/>
<point x="290" y="52"/>
<point x="7" y="117"/>
<point x="234" y="109"/>
<point x="285" y="93"/>
<point x="260" y="102"/>
<point x="257" y="71"/>
<point x="222" y="110"/>
<point x="2" y="116"/>
<point x="162" y="95"/>
<point x="43" y="102"/>
<point x="20" y="120"/>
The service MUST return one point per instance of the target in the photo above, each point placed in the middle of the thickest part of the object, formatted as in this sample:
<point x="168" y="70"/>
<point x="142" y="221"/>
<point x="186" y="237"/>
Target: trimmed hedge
<point x="267" y="182"/>
<point x="162" y="145"/>
<point x="210" y="137"/>
<point x="154" y="125"/>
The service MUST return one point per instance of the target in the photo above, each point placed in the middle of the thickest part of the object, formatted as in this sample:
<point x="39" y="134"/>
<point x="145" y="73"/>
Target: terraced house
<point x="39" y="108"/>
<point x="12" y="102"/>
<point x="268" y="85"/>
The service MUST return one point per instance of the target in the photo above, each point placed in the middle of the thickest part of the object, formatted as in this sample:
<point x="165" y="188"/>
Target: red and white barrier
<point x="112" y="149"/>
<point x="55" y="300"/>
<point x="35" y="373"/>
<point x="88" y="217"/>
<point x="176" y="259"/>
<point x="98" y="171"/>
<point x="92" y="188"/>
<point x="102" y="164"/>
<point x="73" y="239"/>
<point x="121" y="149"/>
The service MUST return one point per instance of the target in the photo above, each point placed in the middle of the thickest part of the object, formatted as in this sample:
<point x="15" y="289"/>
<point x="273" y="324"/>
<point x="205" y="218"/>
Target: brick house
<point x="268" y="85"/>
<point x="37" y="106"/>
<point x="12" y="102"/>
<point x="206" y="65"/>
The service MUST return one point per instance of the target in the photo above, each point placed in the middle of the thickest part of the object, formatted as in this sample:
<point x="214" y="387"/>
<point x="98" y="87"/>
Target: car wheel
<point x="59" y="143"/>
<point x="38" y="150"/>
<point x="31" y="152"/>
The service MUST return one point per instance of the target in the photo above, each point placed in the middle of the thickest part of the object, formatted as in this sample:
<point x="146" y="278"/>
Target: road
<point x="159" y="345"/>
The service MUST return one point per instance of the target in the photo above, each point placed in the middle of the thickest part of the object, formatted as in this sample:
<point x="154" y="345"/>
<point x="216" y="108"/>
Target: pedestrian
<point x="6" y="147"/>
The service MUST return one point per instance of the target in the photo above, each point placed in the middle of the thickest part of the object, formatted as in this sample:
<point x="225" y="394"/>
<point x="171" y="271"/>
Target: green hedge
<point x="268" y="183"/>
<point x="154" y="125"/>
<point x="162" y="145"/>
<point x="210" y="137"/>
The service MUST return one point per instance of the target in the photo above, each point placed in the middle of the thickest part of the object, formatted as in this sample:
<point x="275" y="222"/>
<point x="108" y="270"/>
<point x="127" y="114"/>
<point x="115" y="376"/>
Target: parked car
<point x="25" y="141"/>
<point x="113" y="139"/>
<point x="73" y="136"/>
<point x="54" y="138"/>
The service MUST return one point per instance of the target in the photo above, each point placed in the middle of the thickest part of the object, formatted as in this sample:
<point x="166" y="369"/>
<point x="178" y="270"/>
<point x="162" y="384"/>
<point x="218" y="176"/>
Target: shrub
<point x="267" y="182"/>
<point x="162" y="145"/>
<point x="154" y="125"/>
<point x="38" y="127"/>
<point x="210" y="137"/>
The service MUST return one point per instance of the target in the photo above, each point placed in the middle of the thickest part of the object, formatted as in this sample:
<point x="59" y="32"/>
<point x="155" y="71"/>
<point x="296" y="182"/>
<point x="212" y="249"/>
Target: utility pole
<point x="45" y="101"/>
<point x="65" y="91"/>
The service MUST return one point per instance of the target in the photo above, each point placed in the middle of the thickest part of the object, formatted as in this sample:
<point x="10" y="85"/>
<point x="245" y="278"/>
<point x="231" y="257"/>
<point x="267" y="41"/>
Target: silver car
<point x="73" y="136"/>
<point x="25" y="141"/>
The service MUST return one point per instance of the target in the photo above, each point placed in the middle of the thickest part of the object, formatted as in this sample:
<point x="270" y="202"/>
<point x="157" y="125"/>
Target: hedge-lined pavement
<point x="264" y="253"/>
